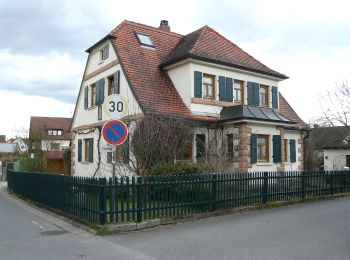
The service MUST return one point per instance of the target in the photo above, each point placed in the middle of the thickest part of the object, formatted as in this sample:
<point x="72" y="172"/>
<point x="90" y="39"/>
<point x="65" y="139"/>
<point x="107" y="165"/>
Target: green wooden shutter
<point x="256" y="101"/>
<point x="222" y="89"/>
<point x="125" y="151"/>
<point x="97" y="92"/>
<point x="198" y="84"/>
<point x="293" y="152"/>
<point x="102" y="90"/>
<point x="250" y="91"/>
<point x="91" y="149"/>
<point x="276" y="139"/>
<point x="80" y="145"/>
<point x="105" y="52"/>
<point x="253" y="148"/>
<point x="229" y="90"/>
<point x="86" y="97"/>
<point x="274" y="97"/>
<point x="116" y="88"/>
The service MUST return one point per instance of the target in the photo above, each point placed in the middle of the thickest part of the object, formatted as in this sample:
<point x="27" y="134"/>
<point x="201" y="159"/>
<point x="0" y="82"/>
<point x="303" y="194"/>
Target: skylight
<point x="144" y="40"/>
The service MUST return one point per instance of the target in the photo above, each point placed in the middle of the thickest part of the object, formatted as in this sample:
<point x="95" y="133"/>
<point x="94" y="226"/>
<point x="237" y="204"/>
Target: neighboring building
<point x="202" y="77"/>
<point x="51" y="136"/>
<point x="7" y="151"/>
<point x="333" y="144"/>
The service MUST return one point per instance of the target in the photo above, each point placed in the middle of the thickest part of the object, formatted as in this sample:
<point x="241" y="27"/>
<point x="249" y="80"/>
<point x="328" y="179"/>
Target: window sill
<point x="91" y="108"/>
<point x="213" y="102"/>
<point x="100" y="62"/>
<point x="264" y="164"/>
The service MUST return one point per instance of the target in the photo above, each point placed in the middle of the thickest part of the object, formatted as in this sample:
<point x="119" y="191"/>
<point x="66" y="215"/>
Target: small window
<point x="93" y="95"/>
<point x="144" y="39"/>
<point x="238" y="91"/>
<point x="55" y="146"/>
<point x="88" y="150"/>
<point x="264" y="96"/>
<point x="263" y="148"/>
<point x="117" y="156"/>
<point x="230" y="147"/>
<point x="104" y="52"/>
<point x="49" y="132"/>
<point x="110" y="82"/>
<point x="208" y="86"/>
<point x="200" y="147"/>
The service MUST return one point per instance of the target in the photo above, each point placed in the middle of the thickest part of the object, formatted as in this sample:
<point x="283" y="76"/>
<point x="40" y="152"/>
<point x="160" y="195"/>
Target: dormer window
<point x="144" y="40"/>
<point x="54" y="132"/>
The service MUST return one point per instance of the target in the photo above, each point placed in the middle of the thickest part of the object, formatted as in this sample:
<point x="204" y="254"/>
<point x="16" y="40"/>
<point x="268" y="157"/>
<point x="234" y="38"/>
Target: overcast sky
<point x="43" y="43"/>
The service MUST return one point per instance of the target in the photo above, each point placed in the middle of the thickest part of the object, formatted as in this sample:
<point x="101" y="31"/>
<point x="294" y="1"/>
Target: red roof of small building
<point x="39" y="127"/>
<point x="152" y="86"/>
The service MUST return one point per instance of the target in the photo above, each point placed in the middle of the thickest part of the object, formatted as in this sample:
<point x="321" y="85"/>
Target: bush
<point x="174" y="169"/>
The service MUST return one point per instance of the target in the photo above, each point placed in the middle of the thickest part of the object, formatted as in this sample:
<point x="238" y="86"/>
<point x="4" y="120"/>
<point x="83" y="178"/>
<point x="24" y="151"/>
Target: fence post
<point x="332" y="182"/>
<point x="102" y="200"/>
<point x="303" y="191"/>
<point x="213" y="188"/>
<point x="139" y="199"/>
<point x="265" y="188"/>
<point x="112" y="190"/>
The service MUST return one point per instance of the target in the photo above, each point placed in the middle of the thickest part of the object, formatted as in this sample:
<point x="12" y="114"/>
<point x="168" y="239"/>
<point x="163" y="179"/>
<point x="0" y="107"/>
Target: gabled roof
<point x="152" y="86"/>
<point x="40" y="125"/>
<point x="208" y="45"/>
<point x="331" y="137"/>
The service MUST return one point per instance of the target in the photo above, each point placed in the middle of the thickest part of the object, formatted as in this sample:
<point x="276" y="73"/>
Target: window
<point x="104" y="52"/>
<point x="117" y="155"/>
<point x="200" y="147"/>
<point x="88" y="151"/>
<point x="55" y="146"/>
<point x="93" y="95"/>
<point x="264" y="96"/>
<point x="144" y="39"/>
<point x="54" y="132"/>
<point x="238" y="91"/>
<point x="286" y="155"/>
<point x="110" y="85"/>
<point x="208" y="86"/>
<point x="263" y="148"/>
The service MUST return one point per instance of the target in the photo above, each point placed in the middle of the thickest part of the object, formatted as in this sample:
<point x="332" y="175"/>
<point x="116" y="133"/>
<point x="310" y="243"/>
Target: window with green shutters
<point x="80" y="148"/>
<point x="253" y="93"/>
<point x="100" y="91"/>
<point x="292" y="149"/>
<point x="253" y="149"/>
<point x="277" y="152"/>
<point x="88" y="149"/>
<point x="274" y="97"/>
<point x="225" y="89"/>
<point x="104" y="52"/>
<point x="198" y="84"/>
<point x="86" y="97"/>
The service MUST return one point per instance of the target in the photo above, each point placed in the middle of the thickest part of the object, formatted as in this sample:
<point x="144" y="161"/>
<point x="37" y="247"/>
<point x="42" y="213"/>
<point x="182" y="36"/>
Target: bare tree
<point x="336" y="106"/>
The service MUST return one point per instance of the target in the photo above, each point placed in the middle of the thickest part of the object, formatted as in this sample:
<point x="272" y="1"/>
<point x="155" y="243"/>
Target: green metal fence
<point x="122" y="200"/>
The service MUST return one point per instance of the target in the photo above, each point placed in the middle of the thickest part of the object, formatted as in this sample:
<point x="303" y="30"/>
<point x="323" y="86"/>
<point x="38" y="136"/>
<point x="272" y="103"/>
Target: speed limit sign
<point x="115" y="107"/>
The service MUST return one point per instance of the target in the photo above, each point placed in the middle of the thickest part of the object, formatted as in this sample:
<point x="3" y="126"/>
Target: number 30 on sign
<point x="115" y="107"/>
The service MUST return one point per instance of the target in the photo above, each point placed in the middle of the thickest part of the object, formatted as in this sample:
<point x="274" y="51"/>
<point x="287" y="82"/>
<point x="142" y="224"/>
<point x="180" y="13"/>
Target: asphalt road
<point x="315" y="230"/>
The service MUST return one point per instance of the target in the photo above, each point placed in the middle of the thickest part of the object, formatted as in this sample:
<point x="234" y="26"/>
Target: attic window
<point x="144" y="40"/>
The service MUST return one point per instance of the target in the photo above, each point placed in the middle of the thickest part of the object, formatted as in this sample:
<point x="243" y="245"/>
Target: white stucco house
<point x="202" y="77"/>
<point x="333" y="143"/>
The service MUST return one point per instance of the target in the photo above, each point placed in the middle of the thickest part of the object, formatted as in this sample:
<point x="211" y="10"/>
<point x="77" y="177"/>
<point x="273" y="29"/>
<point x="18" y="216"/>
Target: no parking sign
<point x="114" y="132"/>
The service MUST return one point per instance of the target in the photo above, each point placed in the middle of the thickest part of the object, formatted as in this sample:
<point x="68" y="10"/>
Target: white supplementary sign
<point x="115" y="107"/>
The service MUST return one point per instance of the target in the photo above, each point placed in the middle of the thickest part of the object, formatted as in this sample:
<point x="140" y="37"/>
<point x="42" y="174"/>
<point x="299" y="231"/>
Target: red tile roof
<point x="287" y="111"/>
<point x="40" y="125"/>
<point x="208" y="45"/>
<point x="152" y="86"/>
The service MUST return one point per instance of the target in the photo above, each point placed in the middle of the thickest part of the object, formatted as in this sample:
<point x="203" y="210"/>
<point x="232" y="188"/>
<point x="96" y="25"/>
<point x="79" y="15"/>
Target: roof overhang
<point x="107" y="37"/>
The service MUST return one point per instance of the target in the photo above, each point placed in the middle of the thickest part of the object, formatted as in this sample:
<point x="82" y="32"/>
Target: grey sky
<point x="43" y="43"/>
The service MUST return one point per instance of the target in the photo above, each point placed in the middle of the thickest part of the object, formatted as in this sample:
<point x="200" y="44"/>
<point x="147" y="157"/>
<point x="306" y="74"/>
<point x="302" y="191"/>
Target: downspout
<point x="304" y="143"/>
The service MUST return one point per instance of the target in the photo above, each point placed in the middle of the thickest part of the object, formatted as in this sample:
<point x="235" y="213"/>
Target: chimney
<point x="164" y="25"/>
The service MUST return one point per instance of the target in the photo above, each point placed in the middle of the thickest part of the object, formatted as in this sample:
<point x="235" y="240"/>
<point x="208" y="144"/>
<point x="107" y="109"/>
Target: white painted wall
<point x="95" y="59"/>
<point x="90" y="115"/>
<point x="335" y="159"/>
<point x="181" y="77"/>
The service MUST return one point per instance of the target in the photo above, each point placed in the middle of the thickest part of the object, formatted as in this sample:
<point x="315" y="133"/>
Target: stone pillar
<point x="281" y="168"/>
<point x="244" y="161"/>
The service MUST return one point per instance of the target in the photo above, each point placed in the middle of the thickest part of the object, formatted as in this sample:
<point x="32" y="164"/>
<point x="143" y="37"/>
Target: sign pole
<point x="113" y="161"/>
